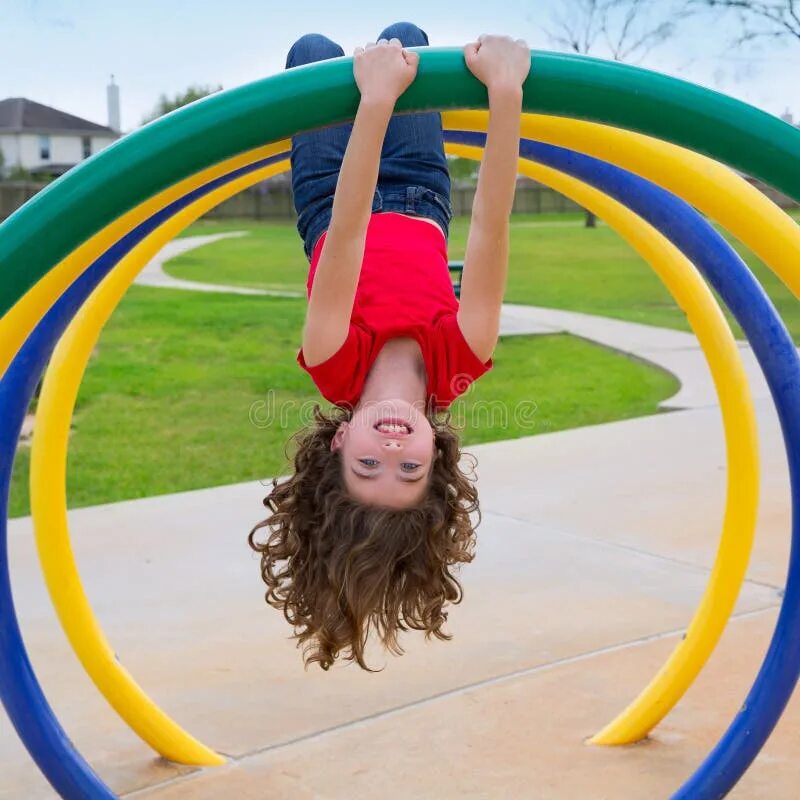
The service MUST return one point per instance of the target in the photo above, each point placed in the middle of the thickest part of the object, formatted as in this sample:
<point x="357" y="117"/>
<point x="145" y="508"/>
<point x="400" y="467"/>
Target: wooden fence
<point x="14" y="193"/>
<point x="273" y="200"/>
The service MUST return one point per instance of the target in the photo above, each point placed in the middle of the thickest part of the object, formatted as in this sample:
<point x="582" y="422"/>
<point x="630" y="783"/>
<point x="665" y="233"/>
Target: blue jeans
<point x="413" y="176"/>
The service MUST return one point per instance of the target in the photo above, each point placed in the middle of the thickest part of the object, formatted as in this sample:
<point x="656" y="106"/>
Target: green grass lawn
<point x="167" y="401"/>
<point x="555" y="262"/>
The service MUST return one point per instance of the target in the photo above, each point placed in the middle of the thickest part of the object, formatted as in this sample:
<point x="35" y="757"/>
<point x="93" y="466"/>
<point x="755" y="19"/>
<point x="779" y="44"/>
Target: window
<point x="44" y="147"/>
<point x="87" y="146"/>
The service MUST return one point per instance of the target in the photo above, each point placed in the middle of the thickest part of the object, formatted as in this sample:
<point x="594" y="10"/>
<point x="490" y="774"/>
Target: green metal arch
<point x="174" y="147"/>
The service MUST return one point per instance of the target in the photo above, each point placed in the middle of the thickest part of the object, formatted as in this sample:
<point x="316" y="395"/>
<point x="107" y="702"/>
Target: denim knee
<point x="312" y="47"/>
<point x="407" y="32"/>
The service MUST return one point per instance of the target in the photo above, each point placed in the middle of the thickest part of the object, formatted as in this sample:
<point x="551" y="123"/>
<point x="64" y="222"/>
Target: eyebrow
<point x="372" y="477"/>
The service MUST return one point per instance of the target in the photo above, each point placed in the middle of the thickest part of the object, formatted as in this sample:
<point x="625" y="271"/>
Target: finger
<point x="412" y="59"/>
<point x="370" y="45"/>
<point x="358" y="51"/>
<point x="395" y="40"/>
<point x="383" y="42"/>
<point x="471" y="50"/>
<point x="482" y="37"/>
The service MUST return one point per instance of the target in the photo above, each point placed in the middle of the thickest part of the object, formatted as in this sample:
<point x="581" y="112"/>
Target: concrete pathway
<point x="154" y="275"/>
<point x="677" y="352"/>
<point x="595" y="546"/>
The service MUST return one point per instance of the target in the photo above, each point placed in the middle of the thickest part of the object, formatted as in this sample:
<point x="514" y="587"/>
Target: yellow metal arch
<point x="49" y="497"/>
<point x="749" y="215"/>
<point x="49" y="464"/>
<point x="741" y="438"/>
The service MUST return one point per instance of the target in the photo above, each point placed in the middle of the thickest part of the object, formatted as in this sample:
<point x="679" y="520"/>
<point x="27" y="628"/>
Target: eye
<point x="409" y="467"/>
<point x="369" y="462"/>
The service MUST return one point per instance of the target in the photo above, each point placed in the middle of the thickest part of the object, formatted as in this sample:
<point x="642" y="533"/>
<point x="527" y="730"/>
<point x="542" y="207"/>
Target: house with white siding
<point x="45" y="141"/>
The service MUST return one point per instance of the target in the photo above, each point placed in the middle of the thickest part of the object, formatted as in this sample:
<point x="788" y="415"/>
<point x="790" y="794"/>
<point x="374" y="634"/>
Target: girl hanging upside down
<point x="368" y="530"/>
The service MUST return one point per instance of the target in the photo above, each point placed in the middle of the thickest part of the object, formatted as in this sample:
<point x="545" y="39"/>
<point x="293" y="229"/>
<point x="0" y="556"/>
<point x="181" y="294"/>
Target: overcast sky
<point x="61" y="52"/>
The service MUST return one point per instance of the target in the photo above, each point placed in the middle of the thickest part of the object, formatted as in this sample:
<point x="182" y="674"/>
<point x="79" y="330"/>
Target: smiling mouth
<point x="393" y="427"/>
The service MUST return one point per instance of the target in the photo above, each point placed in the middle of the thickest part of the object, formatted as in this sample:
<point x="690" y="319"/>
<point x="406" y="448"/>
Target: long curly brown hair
<point x="338" y="568"/>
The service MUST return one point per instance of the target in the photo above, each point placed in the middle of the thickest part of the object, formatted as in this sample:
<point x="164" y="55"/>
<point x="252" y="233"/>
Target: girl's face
<point x="387" y="451"/>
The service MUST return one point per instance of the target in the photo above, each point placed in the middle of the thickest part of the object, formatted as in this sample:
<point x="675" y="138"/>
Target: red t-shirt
<point x="404" y="289"/>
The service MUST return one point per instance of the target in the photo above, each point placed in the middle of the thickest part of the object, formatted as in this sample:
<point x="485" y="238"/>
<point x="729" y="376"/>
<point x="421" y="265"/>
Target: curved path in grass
<point x="154" y="275"/>
<point x="675" y="351"/>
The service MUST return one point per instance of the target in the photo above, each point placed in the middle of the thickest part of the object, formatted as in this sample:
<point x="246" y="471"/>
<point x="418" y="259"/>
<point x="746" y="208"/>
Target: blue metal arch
<point x="777" y="355"/>
<point x="20" y="691"/>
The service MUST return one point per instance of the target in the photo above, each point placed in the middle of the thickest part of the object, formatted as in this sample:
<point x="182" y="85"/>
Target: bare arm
<point x="383" y="71"/>
<point x="486" y="260"/>
<point x="331" y="302"/>
<point x="502" y="65"/>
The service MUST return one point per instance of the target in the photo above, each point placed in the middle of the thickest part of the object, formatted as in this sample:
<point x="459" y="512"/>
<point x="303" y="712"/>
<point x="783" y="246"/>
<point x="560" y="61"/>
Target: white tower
<point x="112" y="93"/>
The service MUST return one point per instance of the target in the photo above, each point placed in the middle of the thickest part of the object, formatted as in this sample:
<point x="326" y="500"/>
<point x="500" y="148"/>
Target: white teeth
<point x="390" y="427"/>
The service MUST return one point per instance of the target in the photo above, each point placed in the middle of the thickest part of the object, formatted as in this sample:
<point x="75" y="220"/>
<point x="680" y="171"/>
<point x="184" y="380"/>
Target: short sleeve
<point x="454" y="366"/>
<point x="340" y="378"/>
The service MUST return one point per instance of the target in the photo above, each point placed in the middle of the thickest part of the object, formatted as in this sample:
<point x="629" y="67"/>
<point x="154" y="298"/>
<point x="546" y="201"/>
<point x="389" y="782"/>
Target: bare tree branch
<point x="782" y="17"/>
<point x="621" y="29"/>
<point x="577" y="25"/>
<point x="630" y="16"/>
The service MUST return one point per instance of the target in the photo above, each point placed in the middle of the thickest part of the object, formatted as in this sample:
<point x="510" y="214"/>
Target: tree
<point x="624" y="30"/>
<point x="22" y="175"/>
<point x="166" y="104"/>
<point x="759" y="19"/>
<point x="462" y="169"/>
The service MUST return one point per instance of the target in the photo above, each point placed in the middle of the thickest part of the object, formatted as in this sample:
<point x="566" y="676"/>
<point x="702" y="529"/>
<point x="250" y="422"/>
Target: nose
<point x="392" y="443"/>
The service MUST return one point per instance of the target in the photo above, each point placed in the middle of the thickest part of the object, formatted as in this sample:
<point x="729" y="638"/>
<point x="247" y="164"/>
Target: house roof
<point x="20" y="115"/>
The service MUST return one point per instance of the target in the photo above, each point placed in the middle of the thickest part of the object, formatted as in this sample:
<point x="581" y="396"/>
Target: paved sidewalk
<point x="154" y="275"/>
<point x="677" y="352"/>
<point x="595" y="547"/>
